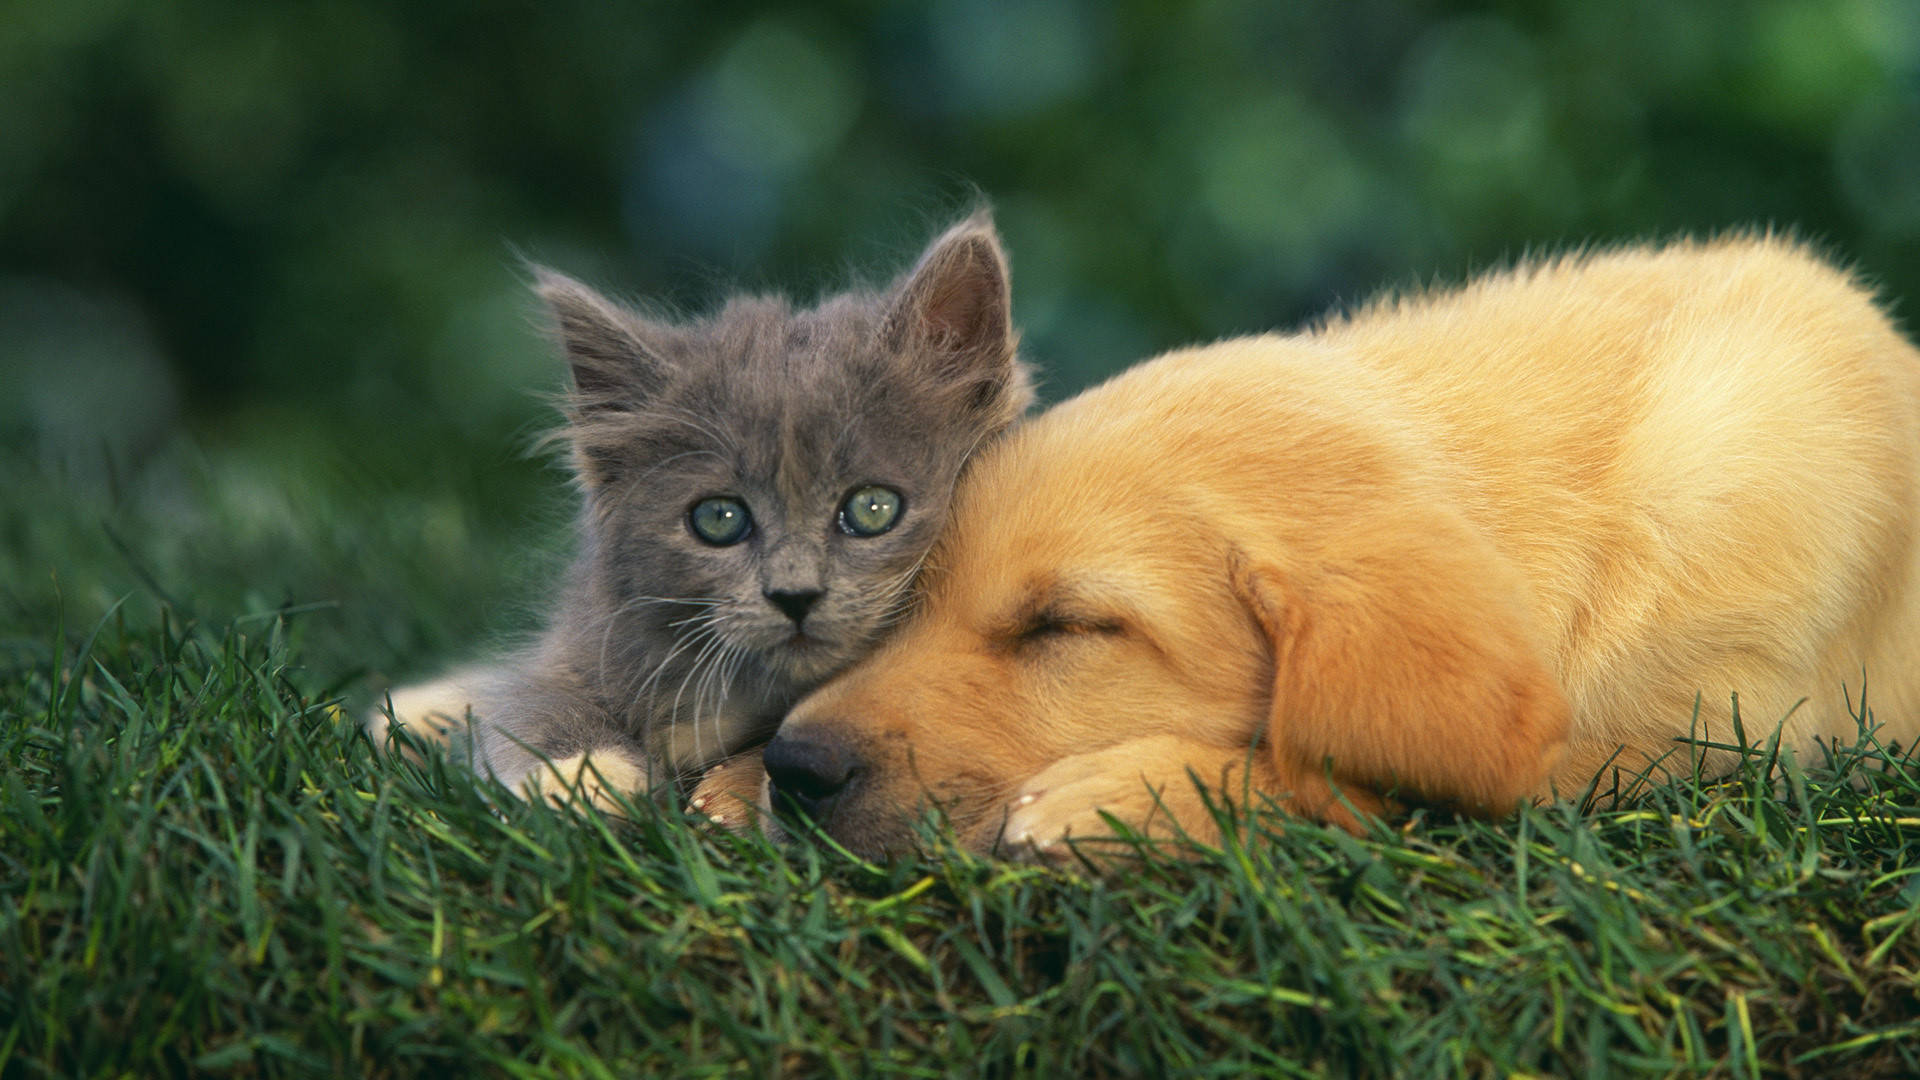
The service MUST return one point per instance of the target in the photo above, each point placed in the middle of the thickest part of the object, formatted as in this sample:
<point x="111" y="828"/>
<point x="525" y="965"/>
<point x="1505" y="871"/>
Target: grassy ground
<point x="203" y="870"/>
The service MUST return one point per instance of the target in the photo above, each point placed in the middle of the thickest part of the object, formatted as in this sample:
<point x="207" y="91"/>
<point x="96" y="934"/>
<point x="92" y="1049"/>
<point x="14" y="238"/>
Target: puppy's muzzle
<point x="810" y="773"/>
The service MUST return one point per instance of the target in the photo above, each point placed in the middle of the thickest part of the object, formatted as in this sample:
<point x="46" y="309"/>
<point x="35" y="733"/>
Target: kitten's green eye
<point x="720" y="520"/>
<point x="870" y="511"/>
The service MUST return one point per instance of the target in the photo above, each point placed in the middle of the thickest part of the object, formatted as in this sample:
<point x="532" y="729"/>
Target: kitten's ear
<point x="616" y="356"/>
<point x="956" y="307"/>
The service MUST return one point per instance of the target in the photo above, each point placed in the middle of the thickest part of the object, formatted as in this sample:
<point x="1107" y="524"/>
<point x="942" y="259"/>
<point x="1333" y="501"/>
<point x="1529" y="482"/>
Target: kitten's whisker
<point x="606" y="638"/>
<point x="716" y="683"/>
<point x="645" y="688"/>
<point x="633" y="607"/>
<point x="633" y="604"/>
<point x="700" y="696"/>
<point x="713" y="641"/>
<point x="899" y="589"/>
<point x="735" y="656"/>
<point x="697" y="423"/>
<point x="670" y="459"/>
<point x="701" y="424"/>
<point x="699" y="618"/>
<point x="705" y="640"/>
<point x="706" y="665"/>
<point x="681" y="642"/>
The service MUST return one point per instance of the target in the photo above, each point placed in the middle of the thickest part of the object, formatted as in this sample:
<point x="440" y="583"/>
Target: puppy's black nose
<point x="794" y="603"/>
<point x="807" y="773"/>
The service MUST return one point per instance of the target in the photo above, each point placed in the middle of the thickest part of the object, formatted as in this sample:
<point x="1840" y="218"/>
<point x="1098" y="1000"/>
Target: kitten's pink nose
<point x="794" y="603"/>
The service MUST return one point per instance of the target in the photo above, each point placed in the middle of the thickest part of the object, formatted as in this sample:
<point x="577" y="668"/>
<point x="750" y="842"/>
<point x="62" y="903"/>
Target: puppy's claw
<point x="1053" y="852"/>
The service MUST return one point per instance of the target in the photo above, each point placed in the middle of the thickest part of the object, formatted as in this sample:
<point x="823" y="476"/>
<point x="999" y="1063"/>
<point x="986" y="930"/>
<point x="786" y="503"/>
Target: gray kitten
<point x="760" y="487"/>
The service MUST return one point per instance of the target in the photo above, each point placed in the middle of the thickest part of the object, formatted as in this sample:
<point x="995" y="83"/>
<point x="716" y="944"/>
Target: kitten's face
<point x="791" y="487"/>
<point x="762" y="485"/>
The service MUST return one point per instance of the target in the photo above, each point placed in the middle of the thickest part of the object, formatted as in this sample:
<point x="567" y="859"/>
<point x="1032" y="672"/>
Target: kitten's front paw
<point x="734" y="794"/>
<point x="432" y="712"/>
<point x="593" y="779"/>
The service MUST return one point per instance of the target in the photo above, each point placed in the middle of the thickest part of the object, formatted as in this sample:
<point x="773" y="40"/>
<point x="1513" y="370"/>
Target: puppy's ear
<point x="953" y="313"/>
<point x="1404" y="670"/>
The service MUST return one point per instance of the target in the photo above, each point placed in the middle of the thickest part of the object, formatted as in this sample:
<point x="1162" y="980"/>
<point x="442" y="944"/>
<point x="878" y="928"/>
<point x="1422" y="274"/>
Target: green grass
<point x="203" y="870"/>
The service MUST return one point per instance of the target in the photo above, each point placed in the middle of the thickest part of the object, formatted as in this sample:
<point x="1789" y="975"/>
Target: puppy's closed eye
<point x="1051" y="625"/>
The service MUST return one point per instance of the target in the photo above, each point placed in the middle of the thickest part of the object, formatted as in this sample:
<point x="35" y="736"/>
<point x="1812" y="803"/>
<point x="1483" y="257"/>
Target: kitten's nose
<point x="795" y="603"/>
<point x="806" y="773"/>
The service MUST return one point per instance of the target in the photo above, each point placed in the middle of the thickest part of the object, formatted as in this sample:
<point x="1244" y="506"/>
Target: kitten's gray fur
<point x="671" y="652"/>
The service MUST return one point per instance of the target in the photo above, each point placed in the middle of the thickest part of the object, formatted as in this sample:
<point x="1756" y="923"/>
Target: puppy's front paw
<point x="1040" y="821"/>
<point x="1143" y="785"/>
<point x="734" y="794"/>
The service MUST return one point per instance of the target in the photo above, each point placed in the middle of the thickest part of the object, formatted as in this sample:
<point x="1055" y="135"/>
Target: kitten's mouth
<point x="807" y="656"/>
<point x="814" y="645"/>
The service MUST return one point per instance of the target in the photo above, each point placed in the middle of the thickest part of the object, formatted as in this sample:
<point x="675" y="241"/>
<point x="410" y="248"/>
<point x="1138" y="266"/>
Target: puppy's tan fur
<point x="1465" y="548"/>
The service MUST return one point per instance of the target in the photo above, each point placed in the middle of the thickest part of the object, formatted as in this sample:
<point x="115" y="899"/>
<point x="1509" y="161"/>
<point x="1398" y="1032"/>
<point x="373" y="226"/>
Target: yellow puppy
<point x="1463" y="548"/>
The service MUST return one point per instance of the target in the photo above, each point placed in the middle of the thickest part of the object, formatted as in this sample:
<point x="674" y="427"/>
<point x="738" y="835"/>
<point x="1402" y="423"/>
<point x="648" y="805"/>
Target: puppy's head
<point x="1075" y="602"/>
<point x="1243" y="578"/>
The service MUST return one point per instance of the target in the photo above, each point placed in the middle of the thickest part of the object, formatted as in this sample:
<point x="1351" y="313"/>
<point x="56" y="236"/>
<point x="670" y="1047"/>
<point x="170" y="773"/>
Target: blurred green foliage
<point x="291" y="233"/>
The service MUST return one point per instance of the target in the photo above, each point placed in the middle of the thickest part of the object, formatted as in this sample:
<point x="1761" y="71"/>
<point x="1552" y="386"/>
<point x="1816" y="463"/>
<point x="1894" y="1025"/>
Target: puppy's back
<point x="1703" y="459"/>
<point x="1698" y="460"/>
